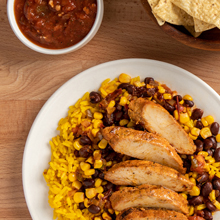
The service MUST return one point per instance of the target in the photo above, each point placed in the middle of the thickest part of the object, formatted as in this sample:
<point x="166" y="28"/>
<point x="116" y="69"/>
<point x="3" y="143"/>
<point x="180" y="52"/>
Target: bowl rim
<point x="37" y="48"/>
<point x="188" y="40"/>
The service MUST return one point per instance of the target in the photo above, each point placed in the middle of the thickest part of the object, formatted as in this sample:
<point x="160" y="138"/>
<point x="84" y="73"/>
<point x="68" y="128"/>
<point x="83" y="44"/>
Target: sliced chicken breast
<point x="148" y="196"/>
<point x="143" y="145"/>
<point x="157" y="119"/>
<point x="150" y="214"/>
<point x="139" y="172"/>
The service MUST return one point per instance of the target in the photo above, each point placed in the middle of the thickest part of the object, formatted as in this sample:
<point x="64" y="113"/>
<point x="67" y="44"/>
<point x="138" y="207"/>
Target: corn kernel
<point x="103" y="92"/>
<point x="111" y="104"/>
<point x="95" y="131"/>
<point x="192" y="136"/>
<point x="138" y="84"/>
<point x="195" y="175"/>
<point x="72" y="177"/>
<point x="89" y="172"/>
<point x="98" y="115"/>
<point x="124" y="78"/>
<point x="167" y="96"/>
<point x="97" y="218"/>
<point x="195" y="131"/>
<point x="111" y="211"/>
<point x="76" y="184"/>
<point x="97" y="154"/>
<point x="192" y="180"/>
<point x="184" y="118"/>
<point x="216" y="204"/>
<point x="212" y="195"/>
<point x="191" y="210"/>
<point x="117" y="212"/>
<point x="78" y="197"/>
<point x="130" y="124"/>
<point x="100" y="196"/>
<point x="98" y="182"/>
<point x="188" y="110"/>
<point x="99" y="189"/>
<point x="98" y="164"/>
<point x="123" y="122"/>
<point x="209" y="119"/>
<point x="86" y="202"/>
<point x="217" y="164"/>
<point x="205" y="132"/>
<point x="187" y="176"/>
<point x="203" y="153"/>
<point x="211" y="160"/>
<point x="217" y="138"/>
<point x="103" y="144"/>
<point x="195" y="191"/>
<point x="176" y="115"/>
<point x="190" y="124"/>
<point x="187" y="97"/>
<point x="106" y="216"/>
<point x="90" y="193"/>
<point x="184" y="195"/>
<point x="109" y="163"/>
<point x="123" y="101"/>
<point x="204" y="122"/>
<point x="85" y="166"/>
<point x="161" y="89"/>
<point x="186" y="129"/>
<point x="77" y="145"/>
<point x="181" y="102"/>
<point x="201" y="207"/>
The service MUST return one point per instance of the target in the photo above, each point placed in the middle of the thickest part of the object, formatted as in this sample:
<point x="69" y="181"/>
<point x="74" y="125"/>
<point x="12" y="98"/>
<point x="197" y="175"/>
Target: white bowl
<point x="28" y="43"/>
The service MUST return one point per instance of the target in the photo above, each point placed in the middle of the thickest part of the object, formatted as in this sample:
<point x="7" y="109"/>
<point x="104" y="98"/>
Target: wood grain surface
<point x="28" y="79"/>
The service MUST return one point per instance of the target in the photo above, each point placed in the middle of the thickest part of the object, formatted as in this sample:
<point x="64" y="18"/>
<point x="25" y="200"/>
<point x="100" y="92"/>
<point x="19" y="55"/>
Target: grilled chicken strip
<point x="150" y="214"/>
<point x="139" y="172"/>
<point x="148" y="196"/>
<point x="143" y="145"/>
<point x="157" y="119"/>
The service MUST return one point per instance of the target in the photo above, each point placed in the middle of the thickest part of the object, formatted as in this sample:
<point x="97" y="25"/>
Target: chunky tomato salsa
<point x="55" y="24"/>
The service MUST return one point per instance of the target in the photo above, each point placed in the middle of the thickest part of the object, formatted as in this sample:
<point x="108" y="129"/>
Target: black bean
<point x="216" y="184"/>
<point x="217" y="155"/>
<point x="206" y="189"/>
<point x="189" y="103"/>
<point x="131" y="89"/>
<point x="217" y="193"/>
<point x="213" y="141"/>
<point x="84" y="140"/>
<point x="101" y="175"/>
<point x="199" y="124"/>
<point x="200" y="213"/>
<point x="218" y="198"/>
<point x="108" y="120"/>
<point x="207" y="214"/>
<point x="110" y="157"/>
<point x="108" y="186"/>
<point x="139" y="127"/>
<point x="199" y="145"/>
<point x="81" y="205"/>
<point x="95" y="97"/>
<point x="197" y="114"/>
<point x="118" y="115"/>
<point x="118" y="107"/>
<point x="151" y="91"/>
<point x="169" y="107"/>
<point x="96" y="174"/>
<point x="197" y="200"/>
<point x="147" y="80"/>
<point x="123" y="85"/>
<point x="179" y="98"/>
<point x="88" y="183"/>
<point x="76" y="153"/>
<point x="214" y="128"/>
<point x="210" y="152"/>
<point x="208" y="144"/>
<point x="85" y="152"/>
<point x="94" y="209"/>
<point x="215" y="178"/>
<point x="210" y="206"/>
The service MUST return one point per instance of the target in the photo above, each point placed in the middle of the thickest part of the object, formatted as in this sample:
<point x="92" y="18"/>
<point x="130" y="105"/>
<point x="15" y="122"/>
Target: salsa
<point x="55" y="24"/>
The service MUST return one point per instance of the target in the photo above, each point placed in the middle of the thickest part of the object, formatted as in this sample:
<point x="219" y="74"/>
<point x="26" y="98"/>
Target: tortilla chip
<point x="152" y="4"/>
<point x="169" y="12"/>
<point x="204" y="10"/>
<point x="201" y="26"/>
<point x="192" y="31"/>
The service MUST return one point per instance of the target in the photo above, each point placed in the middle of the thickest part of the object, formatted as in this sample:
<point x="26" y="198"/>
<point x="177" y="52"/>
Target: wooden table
<point x="28" y="79"/>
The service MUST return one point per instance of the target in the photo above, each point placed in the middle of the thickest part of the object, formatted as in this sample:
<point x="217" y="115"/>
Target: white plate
<point x="37" y="151"/>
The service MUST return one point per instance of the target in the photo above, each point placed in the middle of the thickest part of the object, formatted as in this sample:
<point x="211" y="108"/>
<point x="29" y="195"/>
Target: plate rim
<point x="81" y="74"/>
